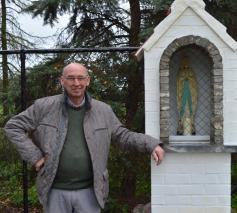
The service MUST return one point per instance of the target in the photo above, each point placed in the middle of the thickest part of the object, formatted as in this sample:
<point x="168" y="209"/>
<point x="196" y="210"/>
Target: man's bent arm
<point x="131" y="140"/>
<point x="18" y="129"/>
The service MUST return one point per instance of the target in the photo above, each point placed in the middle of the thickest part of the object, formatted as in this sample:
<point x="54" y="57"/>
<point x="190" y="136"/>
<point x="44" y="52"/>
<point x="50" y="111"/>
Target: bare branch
<point x="13" y="9"/>
<point x="19" y="4"/>
<point x="14" y="67"/>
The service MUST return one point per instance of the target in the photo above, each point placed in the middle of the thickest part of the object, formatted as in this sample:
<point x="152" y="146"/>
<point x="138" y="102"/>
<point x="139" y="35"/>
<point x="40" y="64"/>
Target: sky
<point x="35" y="27"/>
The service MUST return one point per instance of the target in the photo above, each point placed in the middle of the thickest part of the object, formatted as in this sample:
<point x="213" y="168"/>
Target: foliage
<point x="7" y="151"/>
<point x="11" y="176"/>
<point x="119" y="165"/>
<point x="234" y="202"/>
<point x="12" y="36"/>
<point x="11" y="185"/>
<point x="234" y="170"/>
<point x="100" y="23"/>
<point x="115" y="206"/>
<point x="162" y="4"/>
<point x="226" y="12"/>
<point x="42" y="80"/>
<point x="233" y="182"/>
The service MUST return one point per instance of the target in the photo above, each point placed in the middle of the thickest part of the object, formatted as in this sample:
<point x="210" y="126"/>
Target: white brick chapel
<point x="191" y="104"/>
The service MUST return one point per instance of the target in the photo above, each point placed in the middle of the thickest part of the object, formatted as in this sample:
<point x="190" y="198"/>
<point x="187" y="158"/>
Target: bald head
<point x="75" y="80"/>
<point x="74" y="67"/>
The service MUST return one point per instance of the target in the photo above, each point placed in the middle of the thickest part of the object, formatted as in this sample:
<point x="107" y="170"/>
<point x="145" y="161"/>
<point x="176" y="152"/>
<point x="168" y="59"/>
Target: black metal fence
<point x="23" y="86"/>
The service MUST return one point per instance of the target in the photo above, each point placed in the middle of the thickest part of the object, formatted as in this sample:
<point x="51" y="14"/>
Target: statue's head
<point x="185" y="64"/>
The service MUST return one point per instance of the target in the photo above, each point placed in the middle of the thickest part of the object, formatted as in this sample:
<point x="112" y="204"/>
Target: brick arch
<point x="216" y="133"/>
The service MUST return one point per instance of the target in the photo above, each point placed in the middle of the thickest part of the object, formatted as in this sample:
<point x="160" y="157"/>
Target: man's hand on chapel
<point x="158" y="154"/>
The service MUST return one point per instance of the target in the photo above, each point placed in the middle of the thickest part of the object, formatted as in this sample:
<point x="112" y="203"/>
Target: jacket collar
<point x="87" y="100"/>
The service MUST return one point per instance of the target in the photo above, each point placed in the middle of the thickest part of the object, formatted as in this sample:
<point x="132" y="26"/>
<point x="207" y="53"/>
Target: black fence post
<point x="23" y="107"/>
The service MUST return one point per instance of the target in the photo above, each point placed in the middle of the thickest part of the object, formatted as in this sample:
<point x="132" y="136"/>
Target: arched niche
<point x="207" y="64"/>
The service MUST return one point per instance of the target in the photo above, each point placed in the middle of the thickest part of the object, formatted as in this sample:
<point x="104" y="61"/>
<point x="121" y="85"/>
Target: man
<point x="67" y="138"/>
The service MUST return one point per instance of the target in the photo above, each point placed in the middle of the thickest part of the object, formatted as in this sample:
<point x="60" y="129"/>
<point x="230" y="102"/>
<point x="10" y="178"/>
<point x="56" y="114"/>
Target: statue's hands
<point x="158" y="154"/>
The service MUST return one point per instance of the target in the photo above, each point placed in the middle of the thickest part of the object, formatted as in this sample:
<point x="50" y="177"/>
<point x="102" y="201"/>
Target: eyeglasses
<point x="73" y="78"/>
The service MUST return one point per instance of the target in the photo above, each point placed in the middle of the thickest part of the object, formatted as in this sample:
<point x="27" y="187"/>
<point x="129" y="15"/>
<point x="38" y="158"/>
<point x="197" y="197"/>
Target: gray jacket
<point x="41" y="130"/>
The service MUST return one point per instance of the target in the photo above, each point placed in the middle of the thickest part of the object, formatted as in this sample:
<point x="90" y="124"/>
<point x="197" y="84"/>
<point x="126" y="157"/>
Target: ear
<point x="61" y="80"/>
<point x="88" y="81"/>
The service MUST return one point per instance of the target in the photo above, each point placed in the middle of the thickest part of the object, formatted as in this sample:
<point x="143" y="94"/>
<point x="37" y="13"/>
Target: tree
<point x="225" y="12"/>
<point x="4" y="57"/>
<point x="12" y="37"/>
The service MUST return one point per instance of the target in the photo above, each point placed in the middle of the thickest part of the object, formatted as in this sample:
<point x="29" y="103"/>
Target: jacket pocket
<point x="102" y="134"/>
<point x="102" y="141"/>
<point x="47" y="124"/>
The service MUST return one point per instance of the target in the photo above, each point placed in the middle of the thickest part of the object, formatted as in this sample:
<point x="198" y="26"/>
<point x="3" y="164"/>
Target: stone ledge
<point x="198" y="148"/>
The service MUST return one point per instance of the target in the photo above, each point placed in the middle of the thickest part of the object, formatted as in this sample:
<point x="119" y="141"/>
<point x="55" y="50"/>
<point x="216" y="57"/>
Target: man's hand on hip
<point x="39" y="164"/>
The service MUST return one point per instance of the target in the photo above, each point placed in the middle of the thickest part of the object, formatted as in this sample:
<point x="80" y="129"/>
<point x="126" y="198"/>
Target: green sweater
<point x="75" y="167"/>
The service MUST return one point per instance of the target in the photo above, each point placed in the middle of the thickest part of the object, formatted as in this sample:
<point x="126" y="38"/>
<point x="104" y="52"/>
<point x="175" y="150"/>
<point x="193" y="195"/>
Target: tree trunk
<point x="135" y="75"/>
<point x="134" y="97"/>
<point x="4" y="57"/>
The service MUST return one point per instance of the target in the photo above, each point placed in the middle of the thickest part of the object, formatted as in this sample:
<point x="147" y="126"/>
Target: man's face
<point x="75" y="80"/>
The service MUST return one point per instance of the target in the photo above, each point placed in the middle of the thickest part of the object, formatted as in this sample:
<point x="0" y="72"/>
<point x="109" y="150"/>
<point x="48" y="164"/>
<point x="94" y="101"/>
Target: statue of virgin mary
<point x="186" y="98"/>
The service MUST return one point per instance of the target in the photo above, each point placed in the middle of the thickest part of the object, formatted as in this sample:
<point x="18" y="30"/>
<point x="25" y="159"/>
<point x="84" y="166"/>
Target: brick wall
<point x="192" y="182"/>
